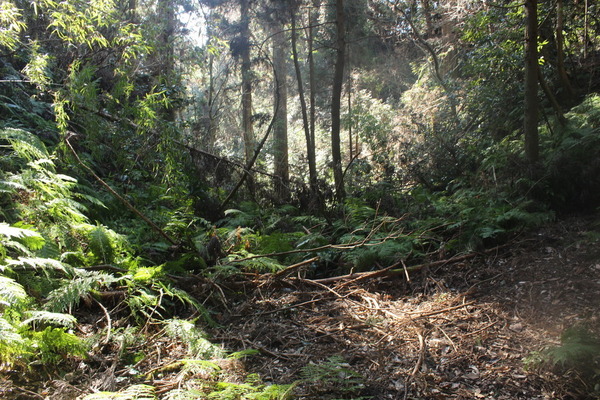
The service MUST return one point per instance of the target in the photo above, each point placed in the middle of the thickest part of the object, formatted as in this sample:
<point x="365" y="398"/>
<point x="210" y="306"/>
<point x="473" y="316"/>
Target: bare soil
<point x="465" y="330"/>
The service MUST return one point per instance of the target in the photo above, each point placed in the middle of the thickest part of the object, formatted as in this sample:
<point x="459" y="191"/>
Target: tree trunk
<point x="530" y="125"/>
<point x="280" y="138"/>
<point x="312" y="159"/>
<point x="247" y="126"/>
<point x="336" y="98"/>
<point x="310" y="144"/>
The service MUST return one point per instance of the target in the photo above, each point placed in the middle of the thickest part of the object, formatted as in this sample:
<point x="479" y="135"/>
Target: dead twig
<point x="418" y="364"/>
<point x="108" y="321"/>
<point x="417" y="314"/>
<point x="394" y="269"/>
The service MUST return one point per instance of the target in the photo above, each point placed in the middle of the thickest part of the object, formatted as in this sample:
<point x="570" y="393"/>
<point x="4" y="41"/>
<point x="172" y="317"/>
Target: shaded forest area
<point x="285" y="199"/>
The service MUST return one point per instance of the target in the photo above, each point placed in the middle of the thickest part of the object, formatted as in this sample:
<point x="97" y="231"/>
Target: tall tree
<point x="312" y="161"/>
<point x="246" y="71"/>
<point x="310" y="144"/>
<point x="336" y="99"/>
<point x="530" y="125"/>
<point x="280" y="131"/>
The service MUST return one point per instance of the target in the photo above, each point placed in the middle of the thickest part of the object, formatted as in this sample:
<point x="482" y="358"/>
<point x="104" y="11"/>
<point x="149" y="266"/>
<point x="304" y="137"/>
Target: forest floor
<point x="460" y="331"/>
<point x="457" y="331"/>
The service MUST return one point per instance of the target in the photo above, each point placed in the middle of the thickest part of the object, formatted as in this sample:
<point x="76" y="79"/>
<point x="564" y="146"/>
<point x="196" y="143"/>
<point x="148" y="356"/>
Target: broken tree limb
<point x="395" y="269"/>
<point x="117" y="195"/>
<point x="293" y="267"/>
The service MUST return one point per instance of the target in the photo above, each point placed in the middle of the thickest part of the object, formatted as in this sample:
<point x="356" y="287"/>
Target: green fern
<point x="135" y="392"/>
<point x="334" y="374"/>
<point x="193" y="367"/>
<point x="11" y="292"/>
<point x="12" y="344"/>
<point x="38" y="263"/>
<point x="25" y="144"/>
<point x="46" y="317"/>
<point x="578" y="348"/>
<point x="53" y="345"/>
<point x="70" y="293"/>
<point x="261" y="264"/>
<point x="101" y="245"/>
<point x="23" y="235"/>
<point x="198" y="346"/>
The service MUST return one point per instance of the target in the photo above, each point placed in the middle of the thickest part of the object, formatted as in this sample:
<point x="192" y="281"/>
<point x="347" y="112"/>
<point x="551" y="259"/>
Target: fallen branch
<point x="293" y="267"/>
<point x="367" y="241"/>
<point x="418" y="314"/>
<point x="395" y="270"/>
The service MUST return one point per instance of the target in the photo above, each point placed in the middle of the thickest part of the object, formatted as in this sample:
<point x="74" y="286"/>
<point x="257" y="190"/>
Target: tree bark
<point x="246" y="70"/>
<point x="280" y="133"/>
<point x="530" y="125"/>
<point x="312" y="159"/>
<point x="336" y="98"/>
<point x="310" y="144"/>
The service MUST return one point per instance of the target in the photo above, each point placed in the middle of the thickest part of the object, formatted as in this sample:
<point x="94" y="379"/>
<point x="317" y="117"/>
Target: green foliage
<point x="55" y="344"/>
<point x="198" y="345"/>
<point x="100" y="245"/>
<point x="10" y="24"/>
<point x="579" y="351"/>
<point x="68" y="295"/>
<point x="45" y="317"/>
<point x="333" y="377"/>
<point x="135" y="392"/>
<point x="11" y="292"/>
<point x="252" y="389"/>
<point x="572" y="181"/>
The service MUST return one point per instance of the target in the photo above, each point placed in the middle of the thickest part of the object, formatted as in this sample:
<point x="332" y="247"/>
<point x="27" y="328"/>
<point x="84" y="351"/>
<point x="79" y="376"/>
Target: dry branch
<point x="395" y="270"/>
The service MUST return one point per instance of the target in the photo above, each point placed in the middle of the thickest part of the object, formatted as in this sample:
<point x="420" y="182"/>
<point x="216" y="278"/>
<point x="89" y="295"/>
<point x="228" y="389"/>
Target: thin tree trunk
<point x="247" y="126"/>
<point x="310" y="144"/>
<point x="312" y="162"/>
<point x="280" y="134"/>
<point x="530" y="125"/>
<point x="338" y="79"/>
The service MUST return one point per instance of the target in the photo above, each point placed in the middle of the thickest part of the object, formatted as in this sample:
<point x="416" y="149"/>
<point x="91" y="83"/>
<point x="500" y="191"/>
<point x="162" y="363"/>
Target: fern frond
<point x="38" y="263"/>
<point x="69" y="294"/>
<point x="198" y="345"/>
<point x="11" y="292"/>
<point x="12" y="345"/>
<point x="11" y="185"/>
<point x="262" y="265"/>
<point x="28" y="237"/>
<point x="66" y="208"/>
<point x="135" y="392"/>
<point x="101" y="245"/>
<point x="185" y="298"/>
<point x="8" y="333"/>
<point x="194" y="367"/>
<point x="24" y="143"/>
<point x="184" y="394"/>
<point x="60" y="319"/>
